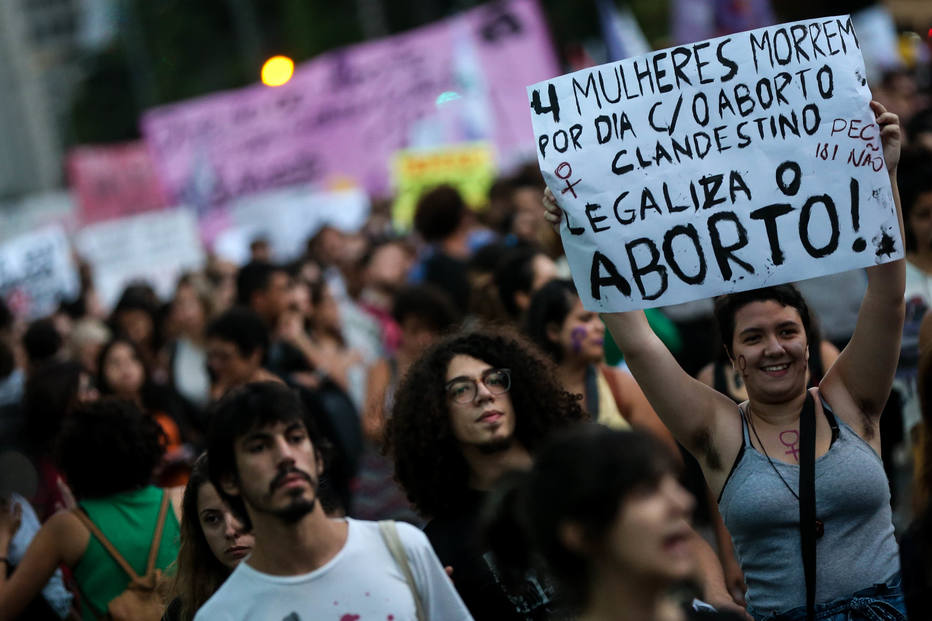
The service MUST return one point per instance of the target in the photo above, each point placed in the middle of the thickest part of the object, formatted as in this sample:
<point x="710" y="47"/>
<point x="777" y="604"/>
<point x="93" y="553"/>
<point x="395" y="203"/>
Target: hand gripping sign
<point x="720" y="166"/>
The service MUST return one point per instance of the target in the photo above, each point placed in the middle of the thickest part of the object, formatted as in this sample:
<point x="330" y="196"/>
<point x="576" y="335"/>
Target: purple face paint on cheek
<point x="577" y="336"/>
<point x="742" y="365"/>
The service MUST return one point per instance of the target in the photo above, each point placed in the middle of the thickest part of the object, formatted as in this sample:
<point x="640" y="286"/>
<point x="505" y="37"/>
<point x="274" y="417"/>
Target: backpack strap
<point x="393" y="542"/>
<point x="153" y="548"/>
<point x="157" y="536"/>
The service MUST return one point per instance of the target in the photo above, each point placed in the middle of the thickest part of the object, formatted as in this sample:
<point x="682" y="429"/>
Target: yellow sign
<point x="470" y="168"/>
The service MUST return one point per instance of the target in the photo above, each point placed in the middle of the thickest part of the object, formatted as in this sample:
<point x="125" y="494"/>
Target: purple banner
<point x="344" y="113"/>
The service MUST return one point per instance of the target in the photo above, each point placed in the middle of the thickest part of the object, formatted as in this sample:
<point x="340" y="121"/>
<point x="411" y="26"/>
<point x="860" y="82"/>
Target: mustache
<point x="282" y="474"/>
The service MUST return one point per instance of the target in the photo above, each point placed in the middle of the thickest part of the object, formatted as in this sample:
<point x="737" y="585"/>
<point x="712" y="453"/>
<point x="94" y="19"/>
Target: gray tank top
<point x="858" y="549"/>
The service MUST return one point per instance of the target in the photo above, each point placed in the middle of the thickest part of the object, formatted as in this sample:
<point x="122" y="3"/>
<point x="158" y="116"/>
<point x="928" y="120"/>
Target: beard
<point x="298" y="508"/>
<point x="299" y="505"/>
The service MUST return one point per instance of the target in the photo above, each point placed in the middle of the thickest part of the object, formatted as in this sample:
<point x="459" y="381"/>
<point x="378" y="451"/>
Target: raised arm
<point x="42" y="558"/>
<point x="701" y="419"/>
<point x="859" y="382"/>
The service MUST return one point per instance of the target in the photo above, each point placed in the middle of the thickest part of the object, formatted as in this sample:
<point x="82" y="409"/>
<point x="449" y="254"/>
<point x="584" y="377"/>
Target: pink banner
<point x="113" y="181"/>
<point x="344" y="113"/>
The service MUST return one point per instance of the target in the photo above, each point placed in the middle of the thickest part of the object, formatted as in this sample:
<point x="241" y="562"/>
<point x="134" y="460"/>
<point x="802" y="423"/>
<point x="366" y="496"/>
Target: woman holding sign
<point x="752" y="454"/>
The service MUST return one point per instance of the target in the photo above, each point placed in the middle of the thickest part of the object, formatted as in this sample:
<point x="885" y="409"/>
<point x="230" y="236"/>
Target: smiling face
<point x="278" y="471"/>
<point x="650" y="538"/>
<point x="225" y="534"/>
<point x="488" y="419"/>
<point x="581" y="336"/>
<point x="770" y="350"/>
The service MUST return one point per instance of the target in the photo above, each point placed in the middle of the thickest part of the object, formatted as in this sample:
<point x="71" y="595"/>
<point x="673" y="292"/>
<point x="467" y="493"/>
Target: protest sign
<point x="113" y="181"/>
<point x="469" y="168"/>
<point x="37" y="273"/>
<point x="720" y="166"/>
<point x="286" y="218"/>
<point x="154" y="247"/>
<point x="346" y="112"/>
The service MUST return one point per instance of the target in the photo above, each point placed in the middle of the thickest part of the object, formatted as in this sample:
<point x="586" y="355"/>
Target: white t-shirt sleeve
<point x="438" y="596"/>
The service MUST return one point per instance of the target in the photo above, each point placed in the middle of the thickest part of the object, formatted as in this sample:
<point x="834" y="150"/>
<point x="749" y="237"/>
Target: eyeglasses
<point x="465" y="389"/>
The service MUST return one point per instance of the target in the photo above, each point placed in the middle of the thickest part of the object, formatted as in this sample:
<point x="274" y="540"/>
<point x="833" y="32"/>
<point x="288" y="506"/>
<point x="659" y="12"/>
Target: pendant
<point x="819" y="529"/>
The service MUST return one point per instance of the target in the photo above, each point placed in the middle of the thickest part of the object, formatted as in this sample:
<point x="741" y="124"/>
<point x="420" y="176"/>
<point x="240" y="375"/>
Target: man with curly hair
<point x="472" y="408"/>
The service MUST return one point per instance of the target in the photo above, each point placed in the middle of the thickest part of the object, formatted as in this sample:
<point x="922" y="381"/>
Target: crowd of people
<point x="432" y="426"/>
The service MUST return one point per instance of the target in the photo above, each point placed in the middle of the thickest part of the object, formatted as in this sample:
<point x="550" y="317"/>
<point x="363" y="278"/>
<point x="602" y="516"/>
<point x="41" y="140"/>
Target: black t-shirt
<point x="475" y="576"/>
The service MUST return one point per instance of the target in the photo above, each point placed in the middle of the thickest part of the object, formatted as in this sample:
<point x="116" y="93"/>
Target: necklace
<point x="819" y="524"/>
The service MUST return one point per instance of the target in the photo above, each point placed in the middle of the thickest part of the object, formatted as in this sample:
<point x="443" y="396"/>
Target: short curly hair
<point x="108" y="447"/>
<point x="428" y="459"/>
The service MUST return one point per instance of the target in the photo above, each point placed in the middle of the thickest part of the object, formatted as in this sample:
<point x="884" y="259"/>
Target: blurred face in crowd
<point x="136" y="324"/>
<point x="581" y="336"/>
<point x="224" y="532"/>
<point x="278" y="470"/>
<point x="228" y="366"/>
<point x="527" y="218"/>
<point x="123" y="371"/>
<point x="188" y="314"/>
<point x="223" y="276"/>
<point x="329" y="245"/>
<point x="651" y="535"/>
<point x="272" y="301"/>
<point x="416" y="334"/>
<point x="300" y="299"/>
<point x="388" y="267"/>
<point x="327" y="313"/>
<point x="919" y="222"/>
<point x="486" y="420"/>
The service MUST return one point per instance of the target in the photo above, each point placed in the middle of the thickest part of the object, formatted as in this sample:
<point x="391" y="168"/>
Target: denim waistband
<point x="881" y="602"/>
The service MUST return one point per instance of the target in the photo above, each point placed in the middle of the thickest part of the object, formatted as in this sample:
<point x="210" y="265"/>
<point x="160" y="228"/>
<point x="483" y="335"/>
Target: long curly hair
<point x="428" y="460"/>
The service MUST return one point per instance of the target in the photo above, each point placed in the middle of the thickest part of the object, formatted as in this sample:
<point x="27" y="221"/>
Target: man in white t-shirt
<point x="266" y="458"/>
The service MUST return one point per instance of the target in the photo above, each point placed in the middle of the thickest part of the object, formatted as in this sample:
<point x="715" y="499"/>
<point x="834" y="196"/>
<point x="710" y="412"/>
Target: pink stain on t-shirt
<point x="349" y="618"/>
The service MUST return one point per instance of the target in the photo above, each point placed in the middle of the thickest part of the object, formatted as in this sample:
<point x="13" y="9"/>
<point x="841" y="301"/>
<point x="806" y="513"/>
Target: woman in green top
<point x="107" y="451"/>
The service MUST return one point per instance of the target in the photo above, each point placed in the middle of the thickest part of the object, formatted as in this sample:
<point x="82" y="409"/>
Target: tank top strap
<point x="745" y="433"/>
<point x="830" y="418"/>
<point x="592" y="391"/>
<point x="745" y="442"/>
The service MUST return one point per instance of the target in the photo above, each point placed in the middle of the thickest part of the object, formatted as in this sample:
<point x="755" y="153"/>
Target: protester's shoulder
<point x="412" y="535"/>
<point x="224" y="602"/>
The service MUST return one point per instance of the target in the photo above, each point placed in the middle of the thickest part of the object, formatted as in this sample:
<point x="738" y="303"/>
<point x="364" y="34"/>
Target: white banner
<point x="37" y="272"/>
<point x="287" y="218"/>
<point x="720" y="166"/>
<point x="155" y="247"/>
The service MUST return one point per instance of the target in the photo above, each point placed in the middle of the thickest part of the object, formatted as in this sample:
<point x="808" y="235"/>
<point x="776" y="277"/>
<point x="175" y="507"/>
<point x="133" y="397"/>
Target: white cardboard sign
<point x="37" y="272"/>
<point x="719" y="166"/>
<point x="156" y="247"/>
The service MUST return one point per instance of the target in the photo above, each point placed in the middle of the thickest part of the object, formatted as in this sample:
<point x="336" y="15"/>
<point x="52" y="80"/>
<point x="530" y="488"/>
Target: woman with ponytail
<point x="601" y="511"/>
